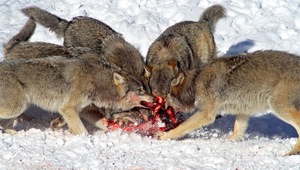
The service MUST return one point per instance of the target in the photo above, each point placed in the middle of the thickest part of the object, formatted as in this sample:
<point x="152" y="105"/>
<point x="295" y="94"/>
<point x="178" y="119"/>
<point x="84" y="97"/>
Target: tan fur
<point x="66" y="86"/>
<point x="190" y="43"/>
<point x="241" y="85"/>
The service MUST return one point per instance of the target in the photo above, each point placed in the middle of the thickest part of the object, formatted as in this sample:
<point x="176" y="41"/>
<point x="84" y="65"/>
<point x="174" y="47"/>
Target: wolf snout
<point x="148" y="99"/>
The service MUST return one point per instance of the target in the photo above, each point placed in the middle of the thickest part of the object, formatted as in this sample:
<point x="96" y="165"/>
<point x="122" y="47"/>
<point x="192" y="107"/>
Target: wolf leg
<point x="73" y="120"/>
<point x="92" y="114"/>
<point x="198" y="120"/>
<point x="13" y="102"/>
<point x="285" y="104"/>
<point x="240" y="126"/>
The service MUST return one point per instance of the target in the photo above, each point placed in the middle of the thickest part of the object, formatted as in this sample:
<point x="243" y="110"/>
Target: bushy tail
<point x="24" y="34"/>
<point x="46" y="19"/>
<point x="213" y="14"/>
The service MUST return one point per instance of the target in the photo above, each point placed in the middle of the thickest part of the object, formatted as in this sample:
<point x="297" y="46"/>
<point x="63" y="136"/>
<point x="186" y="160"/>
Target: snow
<point x="250" y="25"/>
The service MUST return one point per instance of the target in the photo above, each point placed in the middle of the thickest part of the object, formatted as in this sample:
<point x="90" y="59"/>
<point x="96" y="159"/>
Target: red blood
<point x="171" y="113"/>
<point x="160" y="115"/>
<point x="111" y="124"/>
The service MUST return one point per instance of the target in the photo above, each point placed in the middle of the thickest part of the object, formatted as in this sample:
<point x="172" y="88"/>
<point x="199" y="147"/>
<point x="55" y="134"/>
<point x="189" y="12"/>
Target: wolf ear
<point x="173" y="63"/>
<point x="148" y="71"/>
<point x="178" y="80"/>
<point x="120" y="83"/>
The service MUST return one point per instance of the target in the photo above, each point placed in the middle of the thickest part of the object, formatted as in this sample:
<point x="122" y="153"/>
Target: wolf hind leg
<point x="293" y="118"/>
<point x="285" y="107"/>
<point x="13" y="102"/>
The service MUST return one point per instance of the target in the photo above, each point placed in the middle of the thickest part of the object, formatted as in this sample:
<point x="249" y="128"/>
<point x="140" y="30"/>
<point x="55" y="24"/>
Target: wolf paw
<point x="159" y="135"/>
<point x="57" y="123"/>
<point x="10" y="131"/>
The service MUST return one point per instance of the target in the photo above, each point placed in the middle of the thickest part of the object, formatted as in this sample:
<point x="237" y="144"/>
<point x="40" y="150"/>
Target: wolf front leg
<point x="71" y="116"/>
<point x="7" y="125"/>
<point x="240" y="126"/>
<point x="93" y="115"/>
<point x="198" y="120"/>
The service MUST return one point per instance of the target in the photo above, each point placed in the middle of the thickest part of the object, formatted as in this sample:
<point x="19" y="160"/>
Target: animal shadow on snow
<point x="241" y="47"/>
<point x="267" y="126"/>
<point x="41" y="119"/>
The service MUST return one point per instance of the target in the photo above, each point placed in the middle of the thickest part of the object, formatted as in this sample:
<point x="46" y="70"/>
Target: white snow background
<point x="249" y="26"/>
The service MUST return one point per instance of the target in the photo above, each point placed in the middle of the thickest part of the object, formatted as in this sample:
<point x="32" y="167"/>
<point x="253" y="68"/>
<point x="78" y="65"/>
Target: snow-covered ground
<point x="249" y="26"/>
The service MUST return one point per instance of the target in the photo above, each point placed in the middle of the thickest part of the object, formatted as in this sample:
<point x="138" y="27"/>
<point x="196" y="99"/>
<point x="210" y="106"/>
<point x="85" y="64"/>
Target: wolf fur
<point x="19" y="48"/>
<point x="93" y="34"/>
<point x="189" y="43"/>
<point x="66" y="86"/>
<point x="242" y="85"/>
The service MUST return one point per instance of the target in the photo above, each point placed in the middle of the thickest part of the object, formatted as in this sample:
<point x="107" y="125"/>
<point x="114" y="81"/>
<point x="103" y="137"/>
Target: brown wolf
<point x="96" y="35"/>
<point x="66" y="86"/>
<point x="189" y="43"/>
<point x="242" y="85"/>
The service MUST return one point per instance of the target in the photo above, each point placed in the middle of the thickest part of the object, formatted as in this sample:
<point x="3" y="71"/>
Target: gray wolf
<point x="184" y="46"/>
<point x="66" y="86"/>
<point x="96" y="35"/>
<point x="241" y="85"/>
<point x="112" y="48"/>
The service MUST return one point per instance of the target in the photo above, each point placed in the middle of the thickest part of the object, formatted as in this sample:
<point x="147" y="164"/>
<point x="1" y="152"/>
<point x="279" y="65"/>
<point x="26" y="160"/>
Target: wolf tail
<point x="24" y="34"/>
<point x="213" y="14"/>
<point x="46" y="19"/>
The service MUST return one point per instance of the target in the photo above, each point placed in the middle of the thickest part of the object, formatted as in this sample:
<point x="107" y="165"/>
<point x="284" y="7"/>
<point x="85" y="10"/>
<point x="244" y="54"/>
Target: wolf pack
<point x="96" y="69"/>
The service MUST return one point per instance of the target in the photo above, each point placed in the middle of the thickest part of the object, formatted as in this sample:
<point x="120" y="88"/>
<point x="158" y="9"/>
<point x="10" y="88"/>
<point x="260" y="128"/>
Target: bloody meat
<point x="162" y="119"/>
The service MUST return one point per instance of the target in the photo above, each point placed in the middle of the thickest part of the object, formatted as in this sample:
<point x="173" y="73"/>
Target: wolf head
<point x="161" y="77"/>
<point x="182" y="91"/>
<point x="166" y="56"/>
<point x="131" y="91"/>
<point x="124" y="55"/>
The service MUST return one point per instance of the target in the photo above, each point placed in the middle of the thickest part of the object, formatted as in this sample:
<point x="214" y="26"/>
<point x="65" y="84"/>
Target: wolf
<point x="84" y="33"/>
<point x="81" y="31"/>
<point x="93" y="34"/>
<point x="66" y="86"/>
<point x="184" y="46"/>
<point x="18" y="46"/>
<point x="241" y="85"/>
